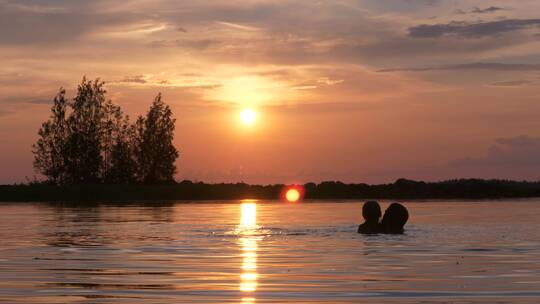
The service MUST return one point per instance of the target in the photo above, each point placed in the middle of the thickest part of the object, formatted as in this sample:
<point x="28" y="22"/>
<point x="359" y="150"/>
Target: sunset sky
<point x="351" y="90"/>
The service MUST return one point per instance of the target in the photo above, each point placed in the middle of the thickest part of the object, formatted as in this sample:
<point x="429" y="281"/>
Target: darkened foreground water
<point x="453" y="252"/>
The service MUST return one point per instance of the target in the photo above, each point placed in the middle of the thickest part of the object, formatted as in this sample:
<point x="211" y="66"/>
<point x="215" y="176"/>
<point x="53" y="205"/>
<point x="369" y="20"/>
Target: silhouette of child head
<point x="394" y="219"/>
<point x="371" y="211"/>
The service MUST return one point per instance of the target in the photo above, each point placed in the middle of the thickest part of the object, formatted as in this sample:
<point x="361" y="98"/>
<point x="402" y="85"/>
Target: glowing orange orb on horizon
<point x="292" y="195"/>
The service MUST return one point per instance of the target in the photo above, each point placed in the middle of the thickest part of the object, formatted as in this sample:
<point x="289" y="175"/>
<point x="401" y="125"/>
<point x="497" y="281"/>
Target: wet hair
<point x="394" y="219"/>
<point x="371" y="210"/>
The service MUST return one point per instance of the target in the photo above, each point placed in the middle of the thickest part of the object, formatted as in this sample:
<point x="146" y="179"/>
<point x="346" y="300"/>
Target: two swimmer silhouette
<point x="393" y="221"/>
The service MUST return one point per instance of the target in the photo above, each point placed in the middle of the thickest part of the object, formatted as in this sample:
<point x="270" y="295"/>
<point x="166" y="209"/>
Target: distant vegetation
<point x="88" y="140"/>
<point x="402" y="189"/>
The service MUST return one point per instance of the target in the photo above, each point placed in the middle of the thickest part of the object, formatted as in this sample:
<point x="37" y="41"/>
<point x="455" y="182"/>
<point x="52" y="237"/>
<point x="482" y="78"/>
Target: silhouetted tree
<point x="123" y="167"/>
<point x="155" y="152"/>
<point x="111" y="134"/>
<point x="49" y="150"/>
<point x="85" y="139"/>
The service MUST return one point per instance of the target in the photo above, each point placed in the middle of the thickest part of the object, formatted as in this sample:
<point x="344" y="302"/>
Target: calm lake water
<point x="263" y="252"/>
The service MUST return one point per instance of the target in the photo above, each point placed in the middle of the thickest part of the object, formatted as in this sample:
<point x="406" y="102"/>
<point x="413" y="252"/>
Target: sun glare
<point x="248" y="116"/>
<point x="292" y="195"/>
<point x="249" y="215"/>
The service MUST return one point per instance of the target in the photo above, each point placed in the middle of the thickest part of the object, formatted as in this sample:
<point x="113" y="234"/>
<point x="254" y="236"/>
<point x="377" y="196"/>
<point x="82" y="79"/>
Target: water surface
<point x="267" y="252"/>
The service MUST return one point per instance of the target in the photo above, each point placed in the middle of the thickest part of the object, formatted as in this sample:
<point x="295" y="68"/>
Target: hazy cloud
<point x="328" y="81"/>
<point x="284" y="32"/>
<point x="511" y="83"/>
<point x="491" y="9"/>
<point x="471" y="30"/>
<point x="133" y="79"/>
<point x="494" y="66"/>
<point x="518" y="151"/>
<point x="195" y="44"/>
<point x="188" y="81"/>
<point x="54" y="22"/>
<point x="477" y="10"/>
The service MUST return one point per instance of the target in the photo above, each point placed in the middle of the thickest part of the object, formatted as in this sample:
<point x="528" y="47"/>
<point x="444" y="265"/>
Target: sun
<point x="292" y="195"/>
<point x="248" y="116"/>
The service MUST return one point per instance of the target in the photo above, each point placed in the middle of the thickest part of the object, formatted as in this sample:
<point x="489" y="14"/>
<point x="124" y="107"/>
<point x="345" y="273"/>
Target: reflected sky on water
<point x="267" y="252"/>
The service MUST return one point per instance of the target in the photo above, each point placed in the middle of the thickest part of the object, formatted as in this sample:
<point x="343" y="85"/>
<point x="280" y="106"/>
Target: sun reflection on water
<point x="248" y="240"/>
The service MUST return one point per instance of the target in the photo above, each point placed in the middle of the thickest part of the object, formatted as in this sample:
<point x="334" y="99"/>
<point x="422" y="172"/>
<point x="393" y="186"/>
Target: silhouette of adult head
<point x="394" y="219"/>
<point x="371" y="211"/>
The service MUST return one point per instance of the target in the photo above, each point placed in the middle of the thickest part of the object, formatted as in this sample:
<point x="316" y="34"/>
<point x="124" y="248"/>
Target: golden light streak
<point x="248" y="300"/>
<point x="248" y="220"/>
<point x="248" y="241"/>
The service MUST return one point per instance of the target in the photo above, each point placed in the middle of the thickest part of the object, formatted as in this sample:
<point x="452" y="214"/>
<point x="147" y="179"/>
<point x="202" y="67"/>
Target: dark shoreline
<point x="186" y="190"/>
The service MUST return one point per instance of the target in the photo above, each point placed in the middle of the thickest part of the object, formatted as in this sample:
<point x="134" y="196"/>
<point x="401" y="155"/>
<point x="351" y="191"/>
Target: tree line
<point x="89" y="140"/>
<point x="401" y="189"/>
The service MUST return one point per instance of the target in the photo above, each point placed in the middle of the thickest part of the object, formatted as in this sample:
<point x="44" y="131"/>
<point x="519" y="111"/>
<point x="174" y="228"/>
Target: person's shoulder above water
<point x="394" y="219"/>
<point x="371" y="211"/>
<point x="370" y="228"/>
